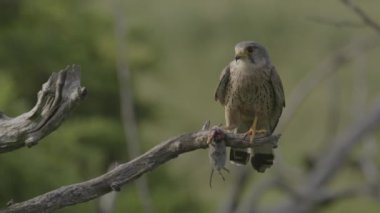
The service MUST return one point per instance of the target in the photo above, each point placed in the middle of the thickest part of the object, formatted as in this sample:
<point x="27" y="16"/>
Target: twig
<point x="369" y="168"/>
<point x="333" y="113"/>
<point x="362" y="14"/>
<point x="128" y="172"/>
<point x="326" y="198"/>
<point x="360" y="86"/>
<point x="329" y="66"/>
<point x="368" y="154"/>
<point x="57" y="98"/>
<point x="334" y="23"/>
<point x="328" y="165"/>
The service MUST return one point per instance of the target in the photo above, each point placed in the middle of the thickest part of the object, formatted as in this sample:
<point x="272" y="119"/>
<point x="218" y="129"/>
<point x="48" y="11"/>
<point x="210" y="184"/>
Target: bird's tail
<point x="263" y="157"/>
<point x="239" y="156"/>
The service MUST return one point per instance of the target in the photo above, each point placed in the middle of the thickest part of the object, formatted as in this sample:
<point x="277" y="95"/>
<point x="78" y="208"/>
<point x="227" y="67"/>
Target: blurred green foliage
<point x="176" y="50"/>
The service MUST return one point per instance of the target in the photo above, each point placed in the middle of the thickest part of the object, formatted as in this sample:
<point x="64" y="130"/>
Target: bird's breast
<point x="251" y="91"/>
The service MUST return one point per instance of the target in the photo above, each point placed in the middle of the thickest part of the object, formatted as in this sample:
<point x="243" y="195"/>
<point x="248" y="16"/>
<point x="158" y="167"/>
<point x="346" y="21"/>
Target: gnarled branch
<point x="127" y="172"/>
<point x="56" y="99"/>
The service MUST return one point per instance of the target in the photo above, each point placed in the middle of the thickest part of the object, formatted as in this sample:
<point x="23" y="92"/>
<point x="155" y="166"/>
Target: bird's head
<point x="251" y="52"/>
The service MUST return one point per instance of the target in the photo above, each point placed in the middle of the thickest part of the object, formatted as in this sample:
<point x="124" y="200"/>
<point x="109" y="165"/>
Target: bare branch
<point x="56" y="100"/>
<point x="329" y="66"/>
<point x="328" y="197"/>
<point x="107" y="202"/>
<point x="334" y="116"/>
<point x="362" y="14"/>
<point x="130" y="171"/>
<point x="369" y="168"/>
<point x="335" y="23"/>
<point x="366" y="162"/>
<point x="343" y="144"/>
<point x="327" y="166"/>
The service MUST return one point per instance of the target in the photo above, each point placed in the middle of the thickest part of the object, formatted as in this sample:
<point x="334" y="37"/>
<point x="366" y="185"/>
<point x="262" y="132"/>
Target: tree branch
<point x="56" y="100"/>
<point x="328" y="67"/>
<point x="335" y="23"/>
<point x="324" y="198"/>
<point x="107" y="202"/>
<point x="127" y="172"/>
<point x="363" y="15"/>
<point x="343" y="144"/>
<point x="328" y="165"/>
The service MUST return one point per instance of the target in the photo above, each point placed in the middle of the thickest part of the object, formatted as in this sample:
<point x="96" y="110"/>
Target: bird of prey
<point x="252" y="94"/>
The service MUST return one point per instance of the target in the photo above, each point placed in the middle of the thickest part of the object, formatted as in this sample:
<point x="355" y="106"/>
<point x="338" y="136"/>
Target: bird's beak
<point x="240" y="54"/>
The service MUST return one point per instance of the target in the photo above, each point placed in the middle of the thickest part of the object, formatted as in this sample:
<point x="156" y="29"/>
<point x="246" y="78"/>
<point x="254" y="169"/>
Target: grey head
<point x="252" y="52"/>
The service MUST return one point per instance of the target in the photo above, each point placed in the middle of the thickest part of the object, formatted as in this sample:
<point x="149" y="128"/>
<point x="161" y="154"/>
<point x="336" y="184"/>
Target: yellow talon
<point x="251" y="133"/>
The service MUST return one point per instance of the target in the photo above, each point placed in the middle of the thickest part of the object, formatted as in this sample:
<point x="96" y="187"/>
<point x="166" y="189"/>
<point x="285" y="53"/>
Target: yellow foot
<point x="251" y="133"/>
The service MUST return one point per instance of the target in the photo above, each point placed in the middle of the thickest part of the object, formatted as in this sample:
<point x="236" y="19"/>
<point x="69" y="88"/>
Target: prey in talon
<point x="217" y="152"/>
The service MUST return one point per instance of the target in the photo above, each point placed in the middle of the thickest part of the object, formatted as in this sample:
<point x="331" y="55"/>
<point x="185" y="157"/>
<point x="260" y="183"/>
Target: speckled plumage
<point x="250" y="86"/>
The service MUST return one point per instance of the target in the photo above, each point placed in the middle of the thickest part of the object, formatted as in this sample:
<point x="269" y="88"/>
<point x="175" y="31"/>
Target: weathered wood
<point x="127" y="172"/>
<point x="56" y="100"/>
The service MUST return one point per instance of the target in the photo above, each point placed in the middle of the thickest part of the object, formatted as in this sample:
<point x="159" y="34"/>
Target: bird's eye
<point x="250" y="49"/>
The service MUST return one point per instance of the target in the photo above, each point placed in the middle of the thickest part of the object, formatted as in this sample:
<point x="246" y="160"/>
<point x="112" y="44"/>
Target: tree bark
<point x="127" y="172"/>
<point x="56" y="100"/>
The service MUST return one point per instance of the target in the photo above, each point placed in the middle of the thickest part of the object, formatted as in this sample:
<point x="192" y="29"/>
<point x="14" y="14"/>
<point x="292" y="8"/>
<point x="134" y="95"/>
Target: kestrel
<point x="252" y="94"/>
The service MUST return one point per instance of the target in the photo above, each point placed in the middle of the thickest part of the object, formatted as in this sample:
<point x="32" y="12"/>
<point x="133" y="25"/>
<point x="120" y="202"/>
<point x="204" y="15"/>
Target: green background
<point x="176" y="50"/>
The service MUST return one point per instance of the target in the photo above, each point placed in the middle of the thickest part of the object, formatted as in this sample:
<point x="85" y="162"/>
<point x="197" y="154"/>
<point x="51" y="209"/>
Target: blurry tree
<point x="180" y="42"/>
<point x="37" y="38"/>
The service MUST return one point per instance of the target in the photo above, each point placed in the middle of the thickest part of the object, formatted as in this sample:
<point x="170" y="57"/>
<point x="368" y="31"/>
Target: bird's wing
<point x="221" y="90"/>
<point x="279" y="98"/>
